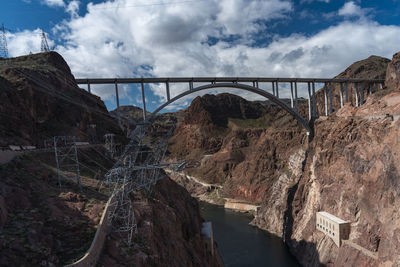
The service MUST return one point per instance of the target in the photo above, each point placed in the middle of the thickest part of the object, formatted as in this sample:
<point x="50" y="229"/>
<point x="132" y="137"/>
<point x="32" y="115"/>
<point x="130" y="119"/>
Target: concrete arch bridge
<point x="254" y="85"/>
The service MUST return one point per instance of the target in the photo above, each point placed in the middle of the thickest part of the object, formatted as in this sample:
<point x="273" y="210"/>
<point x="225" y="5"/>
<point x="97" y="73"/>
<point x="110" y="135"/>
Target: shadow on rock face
<point x="305" y="252"/>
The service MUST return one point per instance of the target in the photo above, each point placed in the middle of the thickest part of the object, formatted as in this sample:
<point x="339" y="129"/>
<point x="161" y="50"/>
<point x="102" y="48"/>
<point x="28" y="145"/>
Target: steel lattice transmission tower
<point x="66" y="155"/>
<point x="138" y="168"/>
<point x="3" y="43"/>
<point x="110" y="144"/>
<point x="44" y="47"/>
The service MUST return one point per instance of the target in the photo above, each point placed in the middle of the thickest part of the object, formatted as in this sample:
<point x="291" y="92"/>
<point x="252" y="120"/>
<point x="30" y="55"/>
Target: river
<point x="241" y="244"/>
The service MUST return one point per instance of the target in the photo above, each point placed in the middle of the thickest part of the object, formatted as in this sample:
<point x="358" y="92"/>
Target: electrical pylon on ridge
<point x="3" y="43"/>
<point x="44" y="47"/>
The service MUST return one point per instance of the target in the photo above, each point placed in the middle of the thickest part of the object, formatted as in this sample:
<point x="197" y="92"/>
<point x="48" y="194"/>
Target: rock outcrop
<point x="350" y="172"/>
<point x="39" y="99"/>
<point x="393" y="73"/>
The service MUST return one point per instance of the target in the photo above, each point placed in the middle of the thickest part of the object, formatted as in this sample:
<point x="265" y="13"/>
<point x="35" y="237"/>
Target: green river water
<point x="241" y="244"/>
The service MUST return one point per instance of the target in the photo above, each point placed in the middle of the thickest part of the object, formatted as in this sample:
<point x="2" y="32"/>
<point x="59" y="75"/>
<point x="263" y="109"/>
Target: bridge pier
<point x="167" y="88"/>
<point x="117" y="100"/>
<point x="357" y="103"/>
<point x="88" y="87"/>
<point x="291" y="95"/>
<point x="341" y="95"/>
<point x="326" y="98"/>
<point x="314" y="102"/>
<point x="296" y="103"/>
<point x="309" y="101"/>
<point x="330" y="98"/>
<point x="277" y="89"/>
<point x="273" y="88"/>
<point x="144" y="102"/>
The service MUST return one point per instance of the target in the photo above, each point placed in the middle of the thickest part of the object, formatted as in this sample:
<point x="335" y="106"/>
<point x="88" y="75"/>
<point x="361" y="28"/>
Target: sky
<point x="173" y="38"/>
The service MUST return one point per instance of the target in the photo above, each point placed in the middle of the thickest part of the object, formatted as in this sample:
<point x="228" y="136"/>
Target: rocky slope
<point x="40" y="223"/>
<point x="168" y="233"/>
<point x="39" y="99"/>
<point x="131" y="115"/>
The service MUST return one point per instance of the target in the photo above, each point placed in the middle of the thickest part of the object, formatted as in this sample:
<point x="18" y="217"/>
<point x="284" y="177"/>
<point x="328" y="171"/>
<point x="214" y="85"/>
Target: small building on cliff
<point x="332" y="226"/>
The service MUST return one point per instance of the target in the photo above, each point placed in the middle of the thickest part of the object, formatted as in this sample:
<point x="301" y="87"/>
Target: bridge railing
<point x="345" y="89"/>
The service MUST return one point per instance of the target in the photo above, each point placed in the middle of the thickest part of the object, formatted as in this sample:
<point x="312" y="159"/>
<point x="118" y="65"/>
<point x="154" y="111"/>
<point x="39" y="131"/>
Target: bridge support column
<point x="356" y="84"/>
<point x="341" y="95"/>
<point x="291" y="95"/>
<point x="296" y="103"/>
<point x="377" y="87"/>
<point x="167" y="88"/>
<point x="144" y="102"/>
<point x="330" y="98"/>
<point x="117" y="100"/>
<point x="273" y="88"/>
<point x="362" y="94"/>
<point x="326" y="98"/>
<point x="309" y="100"/>
<point x="347" y="92"/>
<point x="314" y="101"/>
<point x="88" y="87"/>
<point x="277" y="89"/>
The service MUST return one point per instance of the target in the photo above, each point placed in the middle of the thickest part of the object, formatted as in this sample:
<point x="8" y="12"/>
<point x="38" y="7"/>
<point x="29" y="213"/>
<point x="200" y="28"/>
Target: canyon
<point x="237" y="151"/>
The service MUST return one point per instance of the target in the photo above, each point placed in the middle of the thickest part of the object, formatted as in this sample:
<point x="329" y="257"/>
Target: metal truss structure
<point x="66" y="155"/>
<point x="44" y="46"/>
<point x="110" y="144"/>
<point x="138" y="168"/>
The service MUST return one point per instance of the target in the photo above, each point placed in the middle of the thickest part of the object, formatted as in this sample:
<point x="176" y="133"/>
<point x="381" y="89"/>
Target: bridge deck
<point x="217" y="79"/>
<point x="240" y="83"/>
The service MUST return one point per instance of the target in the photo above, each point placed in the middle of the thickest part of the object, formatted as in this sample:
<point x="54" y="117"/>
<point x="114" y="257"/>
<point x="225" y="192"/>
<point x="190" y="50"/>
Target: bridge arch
<point x="241" y="86"/>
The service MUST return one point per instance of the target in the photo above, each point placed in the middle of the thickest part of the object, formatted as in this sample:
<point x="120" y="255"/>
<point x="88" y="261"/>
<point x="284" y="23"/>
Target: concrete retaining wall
<point x="240" y="206"/>
<point x="92" y="255"/>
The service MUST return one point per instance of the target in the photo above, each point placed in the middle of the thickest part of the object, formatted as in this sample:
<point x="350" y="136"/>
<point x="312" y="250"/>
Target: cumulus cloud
<point x="351" y="9"/>
<point x="24" y="42"/>
<point x="72" y="8"/>
<point x="53" y="3"/>
<point x="310" y="1"/>
<point x="207" y="38"/>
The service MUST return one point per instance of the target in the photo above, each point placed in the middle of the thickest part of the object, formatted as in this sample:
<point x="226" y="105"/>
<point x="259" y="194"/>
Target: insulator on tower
<point x="44" y="47"/>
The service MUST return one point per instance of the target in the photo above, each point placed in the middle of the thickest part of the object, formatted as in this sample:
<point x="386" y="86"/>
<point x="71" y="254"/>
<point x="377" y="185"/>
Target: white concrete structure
<point x="332" y="226"/>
